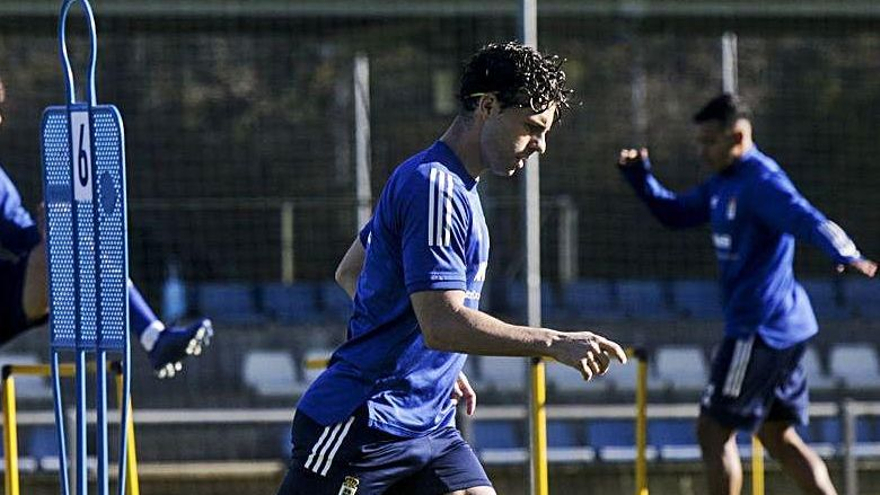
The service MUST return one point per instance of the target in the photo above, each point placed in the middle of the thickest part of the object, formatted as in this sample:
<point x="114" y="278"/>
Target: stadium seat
<point x="856" y="365"/>
<point x="817" y="379"/>
<point x="562" y="433"/>
<point x="827" y="298"/>
<point x="644" y="299"/>
<point x="517" y="298"/>
<point x="499" y="442"/>
<point x="697" y="299"/>
<point x="622" y="378"/>
<point x="614" y="440"/>
<point x="291" y="303"/>
<point x="27" y="387"/>
<point x="827" y="429"/>
<point x="867" y="437"/>
<point x="684" y="368"/>
<point x="566" y="380"/>
<point x="229" y="303"/>
<point x="590" y="299"/>
<point x="611" y="432"/>
<point x="564" y="444"/>
<point x="503" y="374"/>
<point x="862" y="297"/>
<point x="271" y="373"/>
<point x="675" y="439"/>
<point x="41" y="442"/>
<point x="335" y="303"/>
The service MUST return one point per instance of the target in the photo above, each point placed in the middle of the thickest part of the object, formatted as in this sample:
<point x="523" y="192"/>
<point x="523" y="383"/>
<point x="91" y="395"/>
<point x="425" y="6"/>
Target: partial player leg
<point x="479" y="490"/>
<point x="35" y="295"/>
<point x="720" y="456"/>
<point x="797" y="459"/>
<point x="790" y="407"/>
<point x="166" y="347"/>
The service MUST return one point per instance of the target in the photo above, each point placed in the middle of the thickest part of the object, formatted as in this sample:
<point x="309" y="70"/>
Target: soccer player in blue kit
<point x="757" y="382"/>
<point x="380" y="419"/>
<point x="24" y="301"/>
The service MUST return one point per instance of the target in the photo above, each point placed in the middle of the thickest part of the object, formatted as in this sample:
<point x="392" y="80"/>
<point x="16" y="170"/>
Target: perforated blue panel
<point x="87" y="240"/>
<point x="112" y="233"/>
<point x="58" y="192"/>
<point x="84" y="238"/>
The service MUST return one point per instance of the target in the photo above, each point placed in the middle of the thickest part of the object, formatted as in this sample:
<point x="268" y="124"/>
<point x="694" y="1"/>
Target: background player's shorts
<point x="12" y="318"/>
<point x="752" y="382"/>
<point x="350" y="457"/>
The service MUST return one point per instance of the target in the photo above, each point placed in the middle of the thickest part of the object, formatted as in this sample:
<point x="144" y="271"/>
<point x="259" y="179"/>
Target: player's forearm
<point x="348" y="281"/>
<point x="350" y="268"/>
<point x="473" y="332"/>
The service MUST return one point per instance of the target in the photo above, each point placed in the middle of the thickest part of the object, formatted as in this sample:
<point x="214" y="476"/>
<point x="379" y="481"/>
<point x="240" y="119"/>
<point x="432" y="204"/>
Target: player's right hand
<point x="587" y="352"/>
<point x="864" y="266"/>
<point x="631" y="156"/>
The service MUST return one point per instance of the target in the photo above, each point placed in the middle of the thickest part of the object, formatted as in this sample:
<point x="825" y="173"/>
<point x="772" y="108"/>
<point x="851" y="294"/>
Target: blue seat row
<point x="314" y="302"/>
<point x="298" y="303"/>
<point x="832" y="299"/>
<point x="671" y="438"/>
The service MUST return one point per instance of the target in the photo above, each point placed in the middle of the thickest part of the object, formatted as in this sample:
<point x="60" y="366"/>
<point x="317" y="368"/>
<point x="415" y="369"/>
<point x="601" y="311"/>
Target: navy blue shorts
<point x="351" y="458"/>
<point x="752" y="382"/>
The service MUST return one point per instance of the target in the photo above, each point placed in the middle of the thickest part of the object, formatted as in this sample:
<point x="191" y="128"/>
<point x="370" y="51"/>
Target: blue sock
<point x="143" y="321"/>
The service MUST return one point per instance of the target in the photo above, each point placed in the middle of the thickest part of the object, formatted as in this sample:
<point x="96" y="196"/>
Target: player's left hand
<point x="866" y="267"/>
<point x="463" y="390"/>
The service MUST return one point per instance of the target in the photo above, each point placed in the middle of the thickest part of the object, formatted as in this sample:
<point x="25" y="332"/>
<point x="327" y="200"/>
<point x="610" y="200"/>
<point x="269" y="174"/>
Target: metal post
<point x="82" y="453"/>
<point x="639" y="93"/>
<point x="729" y="63"/>
<point x="103" y="483"/>
<point x="287" y="260"/>
<point x="641" y="421"/>
<point x="362" y="137"/>
<point x="537" y="413"/>
<point x="10" y="433"/>
<point x="850" y="469"/>
<point x="757" y="467"/>
<point x="568" y="239"/>
<point x="131" y="479"/>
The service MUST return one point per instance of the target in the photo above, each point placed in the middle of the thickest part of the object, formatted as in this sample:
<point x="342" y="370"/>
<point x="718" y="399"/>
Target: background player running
<point x="757" y="382"/>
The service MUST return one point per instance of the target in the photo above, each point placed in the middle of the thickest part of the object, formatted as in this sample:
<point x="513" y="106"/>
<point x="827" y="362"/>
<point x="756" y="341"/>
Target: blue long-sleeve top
<point x="756" y="214"/>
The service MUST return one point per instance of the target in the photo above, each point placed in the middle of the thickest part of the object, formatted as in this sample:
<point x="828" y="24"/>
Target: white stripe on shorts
<point x="316" y="446"/>
<point x="736" y="372"/>
<point x="336" y="447"/>
<point x="326" y="447"/>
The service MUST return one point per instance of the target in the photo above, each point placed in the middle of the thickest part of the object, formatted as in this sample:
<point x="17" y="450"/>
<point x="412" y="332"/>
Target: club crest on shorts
<point x="349" y="486"/>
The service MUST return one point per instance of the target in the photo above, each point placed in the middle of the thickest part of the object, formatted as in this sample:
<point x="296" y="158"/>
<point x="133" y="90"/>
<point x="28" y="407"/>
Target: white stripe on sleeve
<point x="432" y="199"/>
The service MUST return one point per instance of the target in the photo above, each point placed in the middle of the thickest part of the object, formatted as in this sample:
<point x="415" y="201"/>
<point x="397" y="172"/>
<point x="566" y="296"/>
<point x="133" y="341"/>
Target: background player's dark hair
<point x="519" y="75"/>
<point x="725" y="108"/>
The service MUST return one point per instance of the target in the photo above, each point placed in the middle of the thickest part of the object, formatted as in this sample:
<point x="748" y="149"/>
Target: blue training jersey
<point x="18" y="233"/>
<point x="428" y="232"/>
<point x="756" y="214"/>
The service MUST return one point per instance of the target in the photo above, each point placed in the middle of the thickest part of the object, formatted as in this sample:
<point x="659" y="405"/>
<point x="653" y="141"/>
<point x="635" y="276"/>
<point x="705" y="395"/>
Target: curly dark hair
<point x="518" y="74"/>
